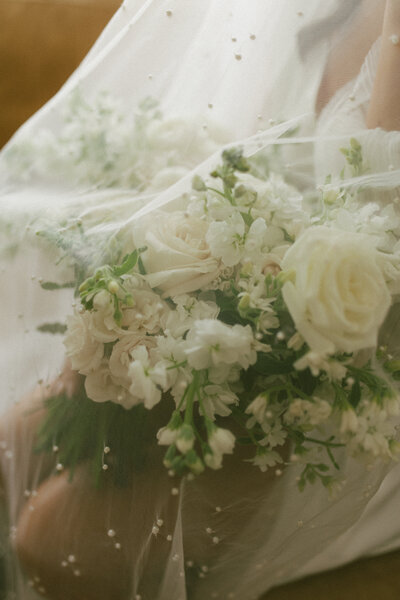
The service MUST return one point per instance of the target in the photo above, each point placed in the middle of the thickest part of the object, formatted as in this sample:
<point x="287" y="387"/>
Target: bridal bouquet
<point x="251" y="313"/>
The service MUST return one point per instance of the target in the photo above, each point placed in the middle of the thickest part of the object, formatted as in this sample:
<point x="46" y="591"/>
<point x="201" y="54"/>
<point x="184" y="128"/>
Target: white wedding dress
<point x="220" y="71"/>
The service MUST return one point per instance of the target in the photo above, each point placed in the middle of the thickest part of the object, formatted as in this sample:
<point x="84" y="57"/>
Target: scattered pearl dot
<point x="175" y="491"/>
<point x="202" y="575"/>
<point x="59" y="467"/>
<point x="64" y="563"/>
<point x="169" y="538"/>
<point x="36" y="579"/>
<point x="155" y="530"/>
<point x="190" y="477"/>
<point x="278" y="472"/>
<point x="238" y="56"/>
<point x="259" y="336"/>
<point x="31" y="507"/>
<point x="175" y="557"/>
<point x="55" y="448"/>
<point x="204" y="568"/>
<point x="9" y="454"/>
<point x="138" y="597"/>
<point x="391" y="168"/>
<point x="294" y="458"/>
<point x="189" y="563"/>
<point x="394" y="39"/>
<point x="300" y="523"/>
<point x="252" y="36"/>
<point x="209" y="530"/>
<point x="77" y="573"/>
<point x="31" y="583"/>
<point x="350" y="381"/>
<point x="111" y="533"/>
<point x="215" y="540"/>
<point x="107" y="449"/>
<point x="171" y="473"/>
<point x="149" y="76"/>
<point x="105" y="467"/>
<point x="117" y="546"/>
<point x="218" y="509"/>
<point x="42" y="590"/>
<point x="27" y="493"/>
<point x="352" y="97"/>
<point x="259" y="117"/>
<point x="272" y="121"/>
<point x="280" y="336"/>
<point x="71" y="558"/>
<point x="168" y="13"/>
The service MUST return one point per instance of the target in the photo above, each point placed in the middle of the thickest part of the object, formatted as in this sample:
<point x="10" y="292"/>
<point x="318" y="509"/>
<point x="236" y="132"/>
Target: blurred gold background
<point x="41" y="43"/>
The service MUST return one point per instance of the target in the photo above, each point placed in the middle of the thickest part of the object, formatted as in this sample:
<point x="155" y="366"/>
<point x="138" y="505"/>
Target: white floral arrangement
<point x="253" y="313"/>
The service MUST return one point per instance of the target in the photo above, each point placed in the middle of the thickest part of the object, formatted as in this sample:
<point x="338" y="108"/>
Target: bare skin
<point x="350" y="50"/>
<point x="384" y="106"/>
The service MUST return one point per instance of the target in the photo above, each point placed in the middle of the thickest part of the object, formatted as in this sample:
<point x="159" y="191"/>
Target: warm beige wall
<point x="41" y="43"/>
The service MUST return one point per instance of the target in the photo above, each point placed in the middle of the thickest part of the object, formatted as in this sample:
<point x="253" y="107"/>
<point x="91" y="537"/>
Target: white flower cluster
<point x="98" y="144"/>
<point x="246" y="277"/>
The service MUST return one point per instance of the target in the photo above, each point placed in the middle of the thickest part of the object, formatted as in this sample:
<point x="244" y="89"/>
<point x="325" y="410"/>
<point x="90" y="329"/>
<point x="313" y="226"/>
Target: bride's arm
<point x="384" y="108"/>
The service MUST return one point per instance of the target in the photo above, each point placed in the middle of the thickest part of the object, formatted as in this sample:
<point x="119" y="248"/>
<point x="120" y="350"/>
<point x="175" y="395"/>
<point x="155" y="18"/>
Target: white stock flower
<point x="229" y="241"/>
<point x="143" y="387"/>
<point x="216" y="400"/>
<point x="103" y="326"/>
<point x="221" y="441"/>
<point x="121" y="356"/>
<point x="226" y="239"/>
<point x="149" y="312"/>
<point x="265" y="459"/>
<point x="177" y="259"/>
<point x="211" y="343"/>
<point x="335" y="370"/>
<point x="187" y="310"/>
<point x="349" y="421"/>
<point x="339" y="297"/>
<point x="307" y="412"/>
<point x="101" y="386"/>
<point x="84" y="351"/>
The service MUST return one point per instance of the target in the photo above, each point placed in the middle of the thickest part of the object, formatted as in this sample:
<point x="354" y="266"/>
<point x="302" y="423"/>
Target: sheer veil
<point x="167" y="87"/>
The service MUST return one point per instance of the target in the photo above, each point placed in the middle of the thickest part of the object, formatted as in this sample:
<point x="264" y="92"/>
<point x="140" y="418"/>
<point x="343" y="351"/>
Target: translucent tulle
<point x="166" y="88"/>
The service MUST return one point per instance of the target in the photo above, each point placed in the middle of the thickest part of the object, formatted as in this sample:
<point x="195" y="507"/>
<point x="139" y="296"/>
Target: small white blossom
<point x="306" y="412"/>
<point x="213" y="343"/>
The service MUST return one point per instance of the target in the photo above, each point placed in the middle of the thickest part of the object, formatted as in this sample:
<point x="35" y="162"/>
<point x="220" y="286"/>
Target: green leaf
<point x="128" y="262"/>
<point x="54" y="328"/>
<point x="52" y="285"/>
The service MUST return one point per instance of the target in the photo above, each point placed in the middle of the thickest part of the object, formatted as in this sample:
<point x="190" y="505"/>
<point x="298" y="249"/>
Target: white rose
<point x="177" y="259"/>
<point x="101" y="386"/>
<point x="339" y="297"/>
<point x="148" y="313"/>
<point x="84" y="351"/>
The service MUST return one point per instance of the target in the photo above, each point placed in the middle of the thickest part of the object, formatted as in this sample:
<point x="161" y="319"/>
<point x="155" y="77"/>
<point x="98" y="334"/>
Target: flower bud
<point x="113" y="287"/>
<point x="185" y="440"/>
